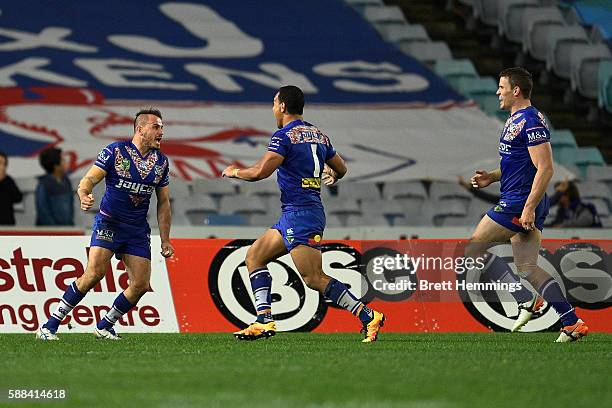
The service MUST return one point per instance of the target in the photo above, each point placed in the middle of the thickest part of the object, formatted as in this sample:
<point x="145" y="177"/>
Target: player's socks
<point x="366" y="314"/>
<point x="120" y="307"/>
<point x="72" y="296"/>
<point x="496" y="269"/>
<point x="338" y="293"/>
<point x="551" y="292"/>
<point x="261" y="283"/>
<point x="264" y="317"/>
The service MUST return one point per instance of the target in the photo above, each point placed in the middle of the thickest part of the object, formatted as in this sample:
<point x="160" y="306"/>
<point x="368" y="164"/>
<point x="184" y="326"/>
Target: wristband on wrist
<point x="235" y="172"/>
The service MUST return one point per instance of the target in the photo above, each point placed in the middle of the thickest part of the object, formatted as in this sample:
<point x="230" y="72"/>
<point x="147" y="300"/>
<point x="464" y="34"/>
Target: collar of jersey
<point x="132" y="145"/>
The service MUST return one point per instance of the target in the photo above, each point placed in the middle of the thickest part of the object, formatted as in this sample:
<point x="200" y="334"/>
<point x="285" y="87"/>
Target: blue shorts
<point x="301" y="227"/>
<point x="121" y="238"/>
<point x="508" y="215"/>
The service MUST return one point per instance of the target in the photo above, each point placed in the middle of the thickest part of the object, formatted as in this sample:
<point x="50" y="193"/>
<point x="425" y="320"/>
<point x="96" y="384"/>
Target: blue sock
<point x="338" y="293"/>
<point x="261" y="284"/>
<point x="120" y="307"/>
<point x="496" y="269"/>
<point x="551" y="292"/>
<point x="72" y="296"/>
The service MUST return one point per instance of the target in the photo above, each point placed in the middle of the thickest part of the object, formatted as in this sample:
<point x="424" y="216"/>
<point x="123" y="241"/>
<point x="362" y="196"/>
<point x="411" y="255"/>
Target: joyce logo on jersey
<point x="136" y="188"/>
<point x="536" y="135"/>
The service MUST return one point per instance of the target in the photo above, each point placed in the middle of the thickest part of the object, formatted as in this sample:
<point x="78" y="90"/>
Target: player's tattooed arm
<point x="164" y="219"/>
<point x="86" y="186"/>
<point x="259" y="171"/>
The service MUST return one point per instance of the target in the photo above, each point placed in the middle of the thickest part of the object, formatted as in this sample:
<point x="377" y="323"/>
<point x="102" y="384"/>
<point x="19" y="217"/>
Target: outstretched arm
<point x="259" y="171"/>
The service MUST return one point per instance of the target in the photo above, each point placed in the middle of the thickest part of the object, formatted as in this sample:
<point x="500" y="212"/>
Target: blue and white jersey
<point x="130" y="181"/>
<point x="305" y="149"/>
<point x="527" y="127"/>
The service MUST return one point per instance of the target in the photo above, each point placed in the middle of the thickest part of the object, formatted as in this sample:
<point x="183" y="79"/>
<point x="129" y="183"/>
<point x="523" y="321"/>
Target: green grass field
<point x="295" y="370"/>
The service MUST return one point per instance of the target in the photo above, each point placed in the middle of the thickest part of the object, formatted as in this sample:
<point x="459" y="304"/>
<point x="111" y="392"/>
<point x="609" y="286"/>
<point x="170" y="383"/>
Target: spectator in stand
<point x="572" y="212"/>
<point x="9" y="193"/>
<point x="54" y="199"/>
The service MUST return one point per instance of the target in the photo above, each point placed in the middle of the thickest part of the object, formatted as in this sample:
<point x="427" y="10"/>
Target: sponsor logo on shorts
<point x="313" y="182"/>
<point x="105" y="235"/>
<point x="289" y="235"/>
<point x="315" y="240"/>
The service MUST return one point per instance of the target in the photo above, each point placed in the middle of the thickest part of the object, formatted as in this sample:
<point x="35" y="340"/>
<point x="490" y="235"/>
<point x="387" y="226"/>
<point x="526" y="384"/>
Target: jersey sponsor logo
<point x="105" y="235"/>
<point x="312" y="182"/>
<point x="104" y="156"/>
<point x="136" y="188"/>
<point x="504" y="148"/>
<point x="536" y="135"/>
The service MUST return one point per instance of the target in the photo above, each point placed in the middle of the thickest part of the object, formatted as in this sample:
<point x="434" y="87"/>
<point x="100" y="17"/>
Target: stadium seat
<point x="482" y="91"/>
<point x="560" y="44"/>
<point x="360" y="5"/>
<point x="440" y="190"/>
<point x="510" y="14"/>
<point x="341" y="206"/>
<point x="368" y="221"/>
<point x="452" y="70"/>
<point x="602" y="32"/>
<point x="536" y="26"/>
<point x="332" y="220"/>
<point x="179" y="188"/>
<point x="399" y="34"/>
<point x="386" y="208"/>
<point x="456" y="221"/>
<point x="446" y="208"/>
<point x="404" y="189"/>
<point x="599" y="173"/>
<point x="384" y="18"/>
<point x="358" y="191"/>
<point x="587" y="156"/>
<point x="584" y="62"/>
<point x="595" y="190"/>
<point x="486" y="11"/>
<point x="477" y="208"/>
<point x="427" y="52"/>
<point x="605" y="85"/>
<point x="224" y="219"/>
<point x="194" y="210"/>
<point x="262" y="220"/>
<point x="242" y="205"/>
<point x="213" y="187"/>
<point x="266" y="187"/>
<point x="562" y="138"/>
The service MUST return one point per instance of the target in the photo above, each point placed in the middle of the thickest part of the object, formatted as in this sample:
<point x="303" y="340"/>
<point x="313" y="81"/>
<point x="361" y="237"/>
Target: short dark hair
<point x="572" y="191"/>
<point x="49" y="158"/>
<point x="149" y="110"/>
<point x="520" y="77"/>
<point x="293" y="98"/>
<point x="2" y="154"/>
